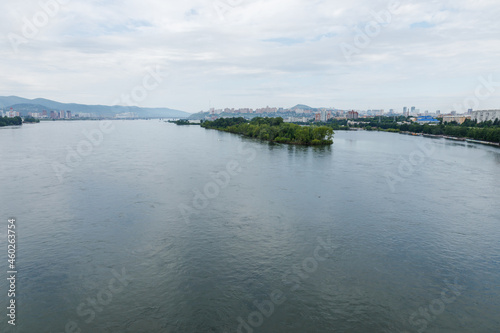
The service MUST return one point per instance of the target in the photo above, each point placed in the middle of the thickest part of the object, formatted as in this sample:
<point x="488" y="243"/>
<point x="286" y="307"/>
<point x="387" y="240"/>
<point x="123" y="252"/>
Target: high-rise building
<point x="324" y="115"/>
<point x="11" y="113"/>
<point x="68" y="114"/>
<point x="485" y="115"/>
<point x="62" y="114"/>
<point x="352" y="115"/>
<point x="412" y="109"/>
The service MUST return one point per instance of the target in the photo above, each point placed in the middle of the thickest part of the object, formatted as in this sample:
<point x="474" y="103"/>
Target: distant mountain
<point x="11" y="100"/>
<point x="301" y="107"/>
<point x="308" y="108"/>
<point x="24" y="106"/>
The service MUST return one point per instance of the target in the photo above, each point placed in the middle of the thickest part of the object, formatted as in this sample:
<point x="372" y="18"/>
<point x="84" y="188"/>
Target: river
<point x="145" y="226"/>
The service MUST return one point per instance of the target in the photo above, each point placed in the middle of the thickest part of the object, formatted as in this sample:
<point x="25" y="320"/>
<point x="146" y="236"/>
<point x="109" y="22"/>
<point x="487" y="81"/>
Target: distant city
<point x="296" y="114"/>
<point x="62" y="114"/>
<point x="303" y="113"/>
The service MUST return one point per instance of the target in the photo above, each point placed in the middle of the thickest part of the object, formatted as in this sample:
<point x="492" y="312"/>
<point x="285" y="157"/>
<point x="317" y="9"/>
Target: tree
<point x="6" y="121"/>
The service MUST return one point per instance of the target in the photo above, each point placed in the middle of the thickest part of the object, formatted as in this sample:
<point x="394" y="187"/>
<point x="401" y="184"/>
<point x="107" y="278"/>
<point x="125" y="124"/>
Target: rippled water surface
<point x="164" y="228"/>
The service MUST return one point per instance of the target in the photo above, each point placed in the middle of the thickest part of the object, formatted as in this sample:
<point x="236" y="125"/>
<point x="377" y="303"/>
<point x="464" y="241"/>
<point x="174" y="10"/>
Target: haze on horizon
<point x="253" y="53"/>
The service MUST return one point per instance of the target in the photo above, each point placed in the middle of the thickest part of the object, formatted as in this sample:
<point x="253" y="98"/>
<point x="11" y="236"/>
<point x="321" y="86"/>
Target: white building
<point x="297" y="120"/>
<point x="485" y="115"/>
<point x="12" y="114"/>
<point x="324" y="115"/>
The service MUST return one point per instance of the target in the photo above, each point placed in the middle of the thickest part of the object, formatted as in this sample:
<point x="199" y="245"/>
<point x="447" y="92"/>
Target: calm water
<point x="163" y="228"/>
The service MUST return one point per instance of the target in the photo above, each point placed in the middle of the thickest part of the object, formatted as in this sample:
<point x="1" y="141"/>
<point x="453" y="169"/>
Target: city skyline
<point x="41" y="111"/>
<point x="198" y="54"/>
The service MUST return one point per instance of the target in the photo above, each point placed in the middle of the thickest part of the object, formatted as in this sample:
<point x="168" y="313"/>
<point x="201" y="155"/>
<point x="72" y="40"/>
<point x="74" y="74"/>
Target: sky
<point x="191" y="55"/>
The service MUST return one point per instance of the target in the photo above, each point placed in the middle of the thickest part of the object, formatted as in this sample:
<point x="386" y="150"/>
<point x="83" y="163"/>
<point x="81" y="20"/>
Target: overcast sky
<point x="254" y="53"/>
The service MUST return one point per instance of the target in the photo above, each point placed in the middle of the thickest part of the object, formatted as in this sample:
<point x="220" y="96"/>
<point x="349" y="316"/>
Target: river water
<point x="145" y="226"/>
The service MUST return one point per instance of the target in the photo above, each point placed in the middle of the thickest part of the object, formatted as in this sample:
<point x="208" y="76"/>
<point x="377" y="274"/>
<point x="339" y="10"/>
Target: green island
<point x="182" y="122"/>
<point x="6" y="121"/>
<point x="31" y="120"/>
<point x="274" y="130"/>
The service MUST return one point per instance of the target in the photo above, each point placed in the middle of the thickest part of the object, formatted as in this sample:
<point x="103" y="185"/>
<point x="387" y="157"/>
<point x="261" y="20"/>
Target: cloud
<point x="423" y="25"/>
<point x="252" y="53"/>
<point x="285" y="41"/>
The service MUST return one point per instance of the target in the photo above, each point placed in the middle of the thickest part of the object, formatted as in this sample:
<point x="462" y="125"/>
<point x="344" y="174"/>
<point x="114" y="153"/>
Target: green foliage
<point x="224" y="123"/>
<point x="269" y="121"/>
<point x="181" y="122"/>
<point x="31" y="120"/>
<point x="485" y="131"/>
<point x="5" y="121"/>
<point x="275" y="130"/>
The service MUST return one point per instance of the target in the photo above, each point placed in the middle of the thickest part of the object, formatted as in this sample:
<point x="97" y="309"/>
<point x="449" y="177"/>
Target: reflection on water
<point x="119" y="211"/>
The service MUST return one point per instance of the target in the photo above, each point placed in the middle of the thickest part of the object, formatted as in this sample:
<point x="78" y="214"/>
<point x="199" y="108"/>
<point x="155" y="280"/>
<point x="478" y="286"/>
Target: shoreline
<point x="434" y="136"/>
<point x="454" y="138"/>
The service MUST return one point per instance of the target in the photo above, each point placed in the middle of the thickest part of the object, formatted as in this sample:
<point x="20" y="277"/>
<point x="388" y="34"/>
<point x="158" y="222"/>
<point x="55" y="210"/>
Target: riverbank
<point x="447" y="137"/>
<point x="488" y="131"/>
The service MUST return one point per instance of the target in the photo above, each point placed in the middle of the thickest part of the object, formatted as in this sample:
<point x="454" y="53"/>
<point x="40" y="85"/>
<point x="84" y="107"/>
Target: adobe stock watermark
<point x="407" y="167"/>
<point x="371" y="30"/>
<point x="32" y="27"/>
<point x="292" y="279"/>
<point x="151" y="81"/>
<point x="425" y="315"/>
<point x="484" y="90"/>
<point x="88" y="310"/>
<point x="220" y="180"/>
<point x="84" y="148"/>
<point x="222" y="7"/>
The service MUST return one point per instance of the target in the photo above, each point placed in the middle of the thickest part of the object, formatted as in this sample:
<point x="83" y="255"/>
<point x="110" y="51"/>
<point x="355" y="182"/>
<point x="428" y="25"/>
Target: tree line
<point x="471" y="129"/>
<point x="181" y="122"/>
<point x="6" y="121"/>
<point x="274" y="130"/>
<point x="30" y="119"/>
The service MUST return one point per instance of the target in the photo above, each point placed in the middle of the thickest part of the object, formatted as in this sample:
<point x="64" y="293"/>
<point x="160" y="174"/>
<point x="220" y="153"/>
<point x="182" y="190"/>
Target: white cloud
<point x="253" y="52"/>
